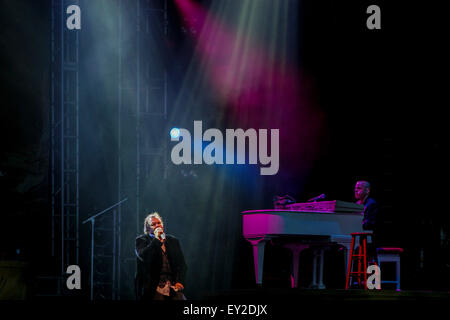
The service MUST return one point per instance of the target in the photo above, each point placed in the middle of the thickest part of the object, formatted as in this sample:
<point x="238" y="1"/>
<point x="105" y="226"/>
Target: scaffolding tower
<point x="64" y="164"/>
<point x="142" y="144"/>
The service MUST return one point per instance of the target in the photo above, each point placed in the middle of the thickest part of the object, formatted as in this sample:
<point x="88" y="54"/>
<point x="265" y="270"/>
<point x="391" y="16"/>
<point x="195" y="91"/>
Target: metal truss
<point x="64" y="141"/>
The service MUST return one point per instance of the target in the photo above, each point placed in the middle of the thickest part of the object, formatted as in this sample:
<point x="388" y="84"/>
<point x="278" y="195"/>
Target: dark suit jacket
<point x="370" y="214"/>
<point x="149" y="263"/>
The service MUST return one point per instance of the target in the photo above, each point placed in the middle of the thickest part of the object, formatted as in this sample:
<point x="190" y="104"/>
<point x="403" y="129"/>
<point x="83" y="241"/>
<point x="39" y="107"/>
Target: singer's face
<point x="155" y="224"/>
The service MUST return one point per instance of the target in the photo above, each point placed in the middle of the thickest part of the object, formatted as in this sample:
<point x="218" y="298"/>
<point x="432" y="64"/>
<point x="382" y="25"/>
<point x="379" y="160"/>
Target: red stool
<point x="361" y="257"/>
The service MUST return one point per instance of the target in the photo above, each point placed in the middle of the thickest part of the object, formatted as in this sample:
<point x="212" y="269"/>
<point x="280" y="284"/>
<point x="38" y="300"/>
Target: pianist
<point x="362" y="192"/>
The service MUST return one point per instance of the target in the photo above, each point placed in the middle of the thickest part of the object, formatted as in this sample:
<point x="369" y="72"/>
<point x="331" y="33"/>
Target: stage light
<point x="174" y="133"/>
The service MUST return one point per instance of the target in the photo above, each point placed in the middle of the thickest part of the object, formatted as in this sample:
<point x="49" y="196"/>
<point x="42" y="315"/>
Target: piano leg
<point x="321" y="285"/>
<point x="346" y="254"/>
<point x="317" y="279"/>
<point x="258" y="257"/>
<point x="296" y="249"/>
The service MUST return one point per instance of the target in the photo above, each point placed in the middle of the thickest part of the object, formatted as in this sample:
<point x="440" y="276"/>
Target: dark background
<point x="379" y="90"/>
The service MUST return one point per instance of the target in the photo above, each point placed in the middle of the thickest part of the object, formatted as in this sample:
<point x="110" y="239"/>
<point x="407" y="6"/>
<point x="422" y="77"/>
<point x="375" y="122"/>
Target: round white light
<point x="174" y="133"/>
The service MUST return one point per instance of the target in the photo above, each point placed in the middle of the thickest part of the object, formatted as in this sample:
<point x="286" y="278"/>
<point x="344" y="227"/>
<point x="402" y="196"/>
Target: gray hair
<point x="148" y="220"/>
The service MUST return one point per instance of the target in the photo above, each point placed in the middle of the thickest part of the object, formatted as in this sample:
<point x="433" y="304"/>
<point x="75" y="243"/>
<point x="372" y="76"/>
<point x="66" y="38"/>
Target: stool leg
<point x="364" y="256"/>
<point x="349" y="266"/>
<point x="360" y="253"/>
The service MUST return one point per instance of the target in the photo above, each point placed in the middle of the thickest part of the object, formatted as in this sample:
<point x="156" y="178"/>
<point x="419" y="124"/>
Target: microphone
<point x="322" y="196"/>
<point x="160" y="234"/>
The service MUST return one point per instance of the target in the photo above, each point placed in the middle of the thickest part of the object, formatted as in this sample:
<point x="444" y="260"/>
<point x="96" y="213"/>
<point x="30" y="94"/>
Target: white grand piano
<point x="311" y="224"/>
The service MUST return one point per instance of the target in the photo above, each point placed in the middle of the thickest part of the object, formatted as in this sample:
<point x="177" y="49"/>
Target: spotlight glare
<point x="174" y="133"/>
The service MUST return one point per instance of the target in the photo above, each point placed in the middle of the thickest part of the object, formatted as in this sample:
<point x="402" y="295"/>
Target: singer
<point x="161" y="268"/>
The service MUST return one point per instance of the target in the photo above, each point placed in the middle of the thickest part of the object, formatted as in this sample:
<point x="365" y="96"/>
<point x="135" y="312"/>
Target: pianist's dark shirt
<point x="370" y="214"/>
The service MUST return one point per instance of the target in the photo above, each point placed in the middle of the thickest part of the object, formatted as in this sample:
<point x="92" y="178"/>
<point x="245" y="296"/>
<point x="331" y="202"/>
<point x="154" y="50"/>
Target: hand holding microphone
<point x="159" y="234"/>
